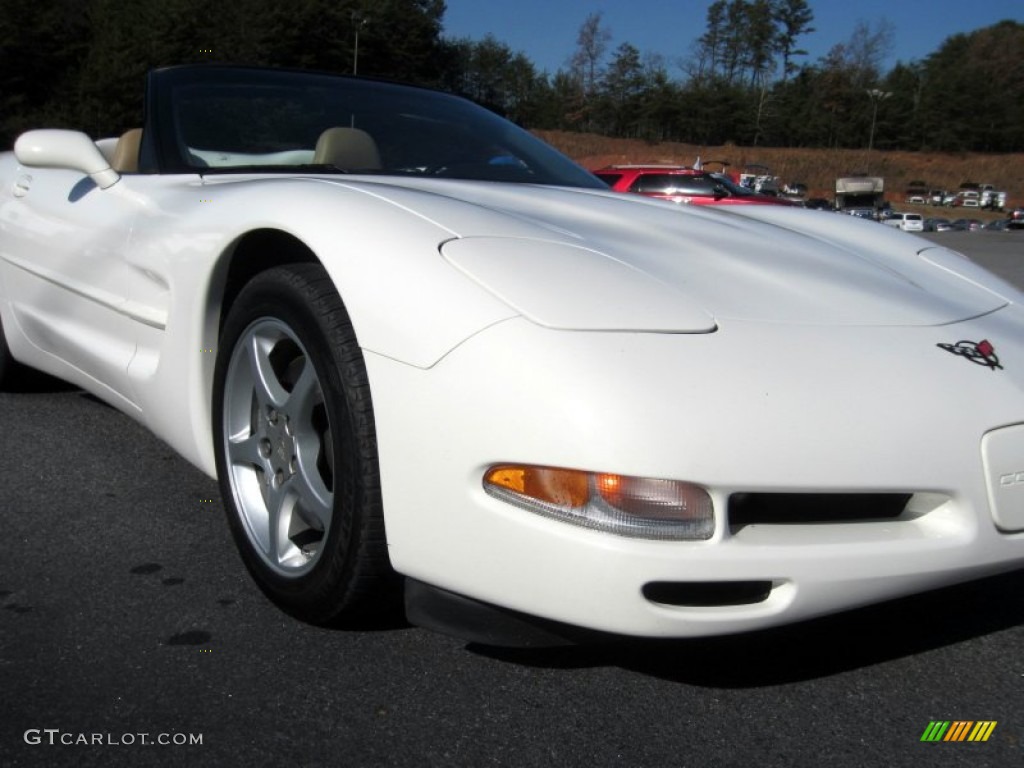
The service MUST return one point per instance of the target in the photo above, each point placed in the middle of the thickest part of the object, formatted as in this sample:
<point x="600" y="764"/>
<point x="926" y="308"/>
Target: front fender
<point x="405" y="301"/>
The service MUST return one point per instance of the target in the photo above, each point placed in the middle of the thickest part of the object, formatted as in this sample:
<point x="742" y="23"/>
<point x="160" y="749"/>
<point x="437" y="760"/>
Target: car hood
<point x="611" y="253"/>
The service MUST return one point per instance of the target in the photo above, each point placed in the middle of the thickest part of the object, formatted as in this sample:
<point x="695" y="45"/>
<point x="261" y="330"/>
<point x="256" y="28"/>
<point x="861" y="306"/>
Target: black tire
<point x="302" y="454"/>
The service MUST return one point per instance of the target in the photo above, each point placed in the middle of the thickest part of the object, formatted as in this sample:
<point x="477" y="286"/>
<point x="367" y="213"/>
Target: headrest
<point x="348" y="148"/>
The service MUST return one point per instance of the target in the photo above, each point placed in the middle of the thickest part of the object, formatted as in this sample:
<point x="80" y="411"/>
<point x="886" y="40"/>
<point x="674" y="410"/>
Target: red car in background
<point x="682" y="185"/>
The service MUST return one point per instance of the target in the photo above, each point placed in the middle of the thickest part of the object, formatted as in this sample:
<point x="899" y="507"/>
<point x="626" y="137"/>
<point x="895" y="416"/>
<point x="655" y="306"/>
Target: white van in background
<point x="908" y="222"/>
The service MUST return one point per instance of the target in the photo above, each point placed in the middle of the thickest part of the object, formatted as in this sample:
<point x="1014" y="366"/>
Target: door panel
<point x="65" y="274"/>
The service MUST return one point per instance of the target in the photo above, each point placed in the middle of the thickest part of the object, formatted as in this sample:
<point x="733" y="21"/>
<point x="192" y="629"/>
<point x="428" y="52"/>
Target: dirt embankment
<point x="817" y="168"/>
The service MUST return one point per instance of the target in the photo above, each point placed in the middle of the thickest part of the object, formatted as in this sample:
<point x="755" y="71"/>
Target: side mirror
<point x="71" y="150"/>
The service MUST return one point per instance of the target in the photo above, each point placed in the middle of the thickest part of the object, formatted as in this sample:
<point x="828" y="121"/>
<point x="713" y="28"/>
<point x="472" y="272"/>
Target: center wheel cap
<point x="277" y="447"/>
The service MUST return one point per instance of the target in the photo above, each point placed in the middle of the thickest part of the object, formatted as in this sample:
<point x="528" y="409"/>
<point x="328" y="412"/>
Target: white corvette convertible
<point x="409" y="338"/>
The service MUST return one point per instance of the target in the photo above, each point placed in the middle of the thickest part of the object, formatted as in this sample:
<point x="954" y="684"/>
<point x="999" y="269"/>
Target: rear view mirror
<point x="71" y="150"/>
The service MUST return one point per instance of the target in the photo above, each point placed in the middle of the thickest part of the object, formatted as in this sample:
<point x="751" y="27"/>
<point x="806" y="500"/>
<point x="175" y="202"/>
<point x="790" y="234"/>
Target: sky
<point x="545" y="30"/>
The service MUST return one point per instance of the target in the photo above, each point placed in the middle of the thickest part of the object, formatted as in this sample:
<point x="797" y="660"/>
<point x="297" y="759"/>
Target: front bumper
<point x="749" y="409"/>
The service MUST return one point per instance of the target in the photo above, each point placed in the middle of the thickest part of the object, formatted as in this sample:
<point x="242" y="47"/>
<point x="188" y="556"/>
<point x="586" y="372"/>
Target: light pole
<point x="358" y="21"/>
<point x="876" y="96"/>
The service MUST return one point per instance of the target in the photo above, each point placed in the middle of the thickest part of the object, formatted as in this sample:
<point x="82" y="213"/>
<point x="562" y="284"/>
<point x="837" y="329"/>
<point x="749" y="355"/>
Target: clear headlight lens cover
<point x="629" y="506"/>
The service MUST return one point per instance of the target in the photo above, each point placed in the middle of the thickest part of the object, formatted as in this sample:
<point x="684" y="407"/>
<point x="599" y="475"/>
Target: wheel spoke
<point x="268" y="388"/>
<point x="277" y="522"/>
<point x="304" y="395"/>
<point x="314" y="499"/>
<point x="245" y="451"/>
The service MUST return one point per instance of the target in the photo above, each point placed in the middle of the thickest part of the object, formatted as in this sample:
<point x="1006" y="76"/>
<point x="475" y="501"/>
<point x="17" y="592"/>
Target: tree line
<point x="745" y="79"/>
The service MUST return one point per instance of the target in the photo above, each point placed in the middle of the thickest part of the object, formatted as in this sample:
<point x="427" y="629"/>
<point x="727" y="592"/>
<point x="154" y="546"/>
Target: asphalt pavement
<point x="128" y="620"/>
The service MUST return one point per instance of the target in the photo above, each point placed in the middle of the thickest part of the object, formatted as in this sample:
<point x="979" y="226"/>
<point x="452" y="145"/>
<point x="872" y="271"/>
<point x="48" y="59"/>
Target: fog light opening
<point x="707" y="594"/>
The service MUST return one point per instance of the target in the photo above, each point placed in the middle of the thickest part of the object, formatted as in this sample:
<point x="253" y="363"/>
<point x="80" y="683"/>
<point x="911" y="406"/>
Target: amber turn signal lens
<point x="630" y="506"/>
<point x="608" y="485"/>
<point x="564" y="487"/>
<point x="513" y="478"/>
<point x="653" y="499"/>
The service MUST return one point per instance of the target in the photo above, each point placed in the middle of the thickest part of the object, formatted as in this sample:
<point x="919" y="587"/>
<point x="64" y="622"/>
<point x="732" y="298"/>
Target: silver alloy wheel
<point x="277" y="440"/>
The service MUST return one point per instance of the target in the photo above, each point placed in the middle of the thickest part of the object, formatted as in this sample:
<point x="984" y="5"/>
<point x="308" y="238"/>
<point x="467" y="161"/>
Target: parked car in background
<point x="991" y="198"/>
<point x="1016" y="220"/>
<point x="967" y="198"/>
<point x="917" y="192"/>
<point x="987" y="196"/>
<point x="937" y="224"/>
<point x="757" y="177"/>
<point x="682" y="185"/>
<point x="968" y="225"/>
<point x="795" y="189"/>
<point x="908" y="222"/>
<point x="996" y="225"/>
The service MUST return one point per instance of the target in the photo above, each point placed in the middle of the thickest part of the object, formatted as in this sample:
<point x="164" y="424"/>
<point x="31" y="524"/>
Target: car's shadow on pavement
<point x="808" y="650"/>
<point x="30" y="381"/>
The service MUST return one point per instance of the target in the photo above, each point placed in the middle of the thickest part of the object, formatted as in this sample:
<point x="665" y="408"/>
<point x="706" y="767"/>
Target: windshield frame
<point x="410" y="121"/>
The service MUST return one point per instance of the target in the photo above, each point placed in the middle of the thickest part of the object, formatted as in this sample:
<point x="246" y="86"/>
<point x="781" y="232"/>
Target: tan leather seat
<point x="126" y="153"/>
<point x="348" y="148"/>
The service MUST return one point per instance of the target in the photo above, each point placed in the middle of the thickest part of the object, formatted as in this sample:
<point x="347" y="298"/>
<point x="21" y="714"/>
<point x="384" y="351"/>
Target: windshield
<point x="212" y="119"/>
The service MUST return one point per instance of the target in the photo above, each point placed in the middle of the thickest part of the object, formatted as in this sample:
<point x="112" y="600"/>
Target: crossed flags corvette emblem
<point x="978" y="352"/>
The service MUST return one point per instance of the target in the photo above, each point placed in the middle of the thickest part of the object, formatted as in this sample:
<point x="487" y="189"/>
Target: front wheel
<point x="296" y="447"/>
